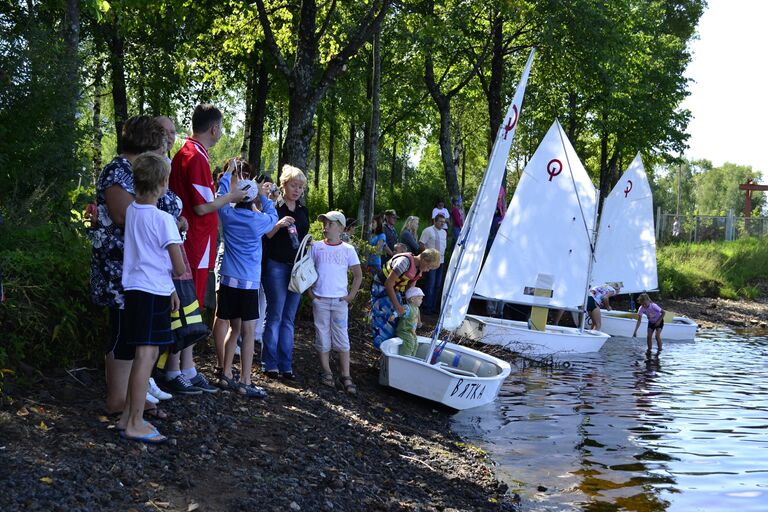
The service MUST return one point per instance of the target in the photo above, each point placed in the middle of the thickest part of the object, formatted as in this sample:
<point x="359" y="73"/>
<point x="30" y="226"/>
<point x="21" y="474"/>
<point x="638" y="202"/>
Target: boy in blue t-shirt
<point x="238" y="296"/>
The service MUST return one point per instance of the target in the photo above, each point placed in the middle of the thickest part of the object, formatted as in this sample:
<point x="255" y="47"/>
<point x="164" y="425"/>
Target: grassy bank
<point x="714" y="269"/>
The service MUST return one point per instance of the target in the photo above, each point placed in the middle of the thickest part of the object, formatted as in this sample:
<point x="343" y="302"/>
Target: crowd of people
<point x="161" y="226"/>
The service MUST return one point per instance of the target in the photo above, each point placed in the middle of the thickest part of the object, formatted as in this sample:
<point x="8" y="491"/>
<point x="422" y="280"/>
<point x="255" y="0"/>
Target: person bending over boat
<point x="599" y="297"/>
<point x="655" y="319"/>
<point x="398" y="274"/>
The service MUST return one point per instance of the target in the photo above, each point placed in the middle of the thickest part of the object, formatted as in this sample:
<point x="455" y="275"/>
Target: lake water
<point x="685" y="431"/>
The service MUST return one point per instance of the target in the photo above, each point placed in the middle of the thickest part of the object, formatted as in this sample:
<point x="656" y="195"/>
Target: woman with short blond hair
<point x="281" y="245"/>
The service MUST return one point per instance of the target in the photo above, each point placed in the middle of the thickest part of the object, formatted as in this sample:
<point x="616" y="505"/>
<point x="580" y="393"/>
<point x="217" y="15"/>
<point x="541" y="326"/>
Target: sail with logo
<point x="625" y="253"/>
<point x="542" y="254"/>
<point x="454" y="375"/>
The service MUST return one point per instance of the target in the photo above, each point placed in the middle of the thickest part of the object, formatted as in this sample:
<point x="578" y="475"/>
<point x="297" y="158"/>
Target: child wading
<point x="655" y="319"/>
<point x="152" y="252"/>
<point x="406" y="327"/>
<point x="330" y="298"/>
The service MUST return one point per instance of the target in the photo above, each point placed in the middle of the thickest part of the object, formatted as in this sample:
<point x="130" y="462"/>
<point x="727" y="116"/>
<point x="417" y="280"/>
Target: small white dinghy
<point x="461" y="378"/>
<point x="626" y="254"/>
<point x="622" y="323"/>
<point x="542" y="255"/>
<point x="555" y="341"/>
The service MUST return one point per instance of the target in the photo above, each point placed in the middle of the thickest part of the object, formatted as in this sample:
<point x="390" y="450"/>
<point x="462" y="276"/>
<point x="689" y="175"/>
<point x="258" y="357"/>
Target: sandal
<point x="251" y="391"/>
<point x="227" y="382"/>
<point x="348" y="385"/>
<point x="326" y="379"/>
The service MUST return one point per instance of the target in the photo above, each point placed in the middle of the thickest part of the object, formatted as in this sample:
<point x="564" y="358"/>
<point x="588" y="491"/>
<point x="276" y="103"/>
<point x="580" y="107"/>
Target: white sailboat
<point x="626" y="253"/>
<point x="542" y="254"/>
<point x="460" y="377"/>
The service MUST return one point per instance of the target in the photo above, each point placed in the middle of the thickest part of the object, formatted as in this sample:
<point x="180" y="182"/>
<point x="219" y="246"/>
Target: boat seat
<point x="457" y="371"/>
<point x="464" y="362"/>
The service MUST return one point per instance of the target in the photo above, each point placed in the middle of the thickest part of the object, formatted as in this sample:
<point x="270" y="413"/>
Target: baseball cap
<point x="250" y="187"/>
<point x="333" y="216"/>
<point x="390" y="212"/>
<point x="413" y="292"/>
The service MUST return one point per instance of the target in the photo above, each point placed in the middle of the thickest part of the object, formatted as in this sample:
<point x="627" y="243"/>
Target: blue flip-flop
<point x="154" y="437"/>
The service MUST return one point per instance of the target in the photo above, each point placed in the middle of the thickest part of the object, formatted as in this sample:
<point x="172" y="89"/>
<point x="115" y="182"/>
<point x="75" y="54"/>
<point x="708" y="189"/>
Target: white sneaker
<point x="157" y="392"/>
<point x="152" y="399"/>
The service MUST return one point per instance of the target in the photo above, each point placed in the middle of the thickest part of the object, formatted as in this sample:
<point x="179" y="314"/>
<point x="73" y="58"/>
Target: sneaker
<point x="200" y="382"/>
<point x="151" y="399"/>
<point x="156" y="392"/>
<point x="183" y="386"/>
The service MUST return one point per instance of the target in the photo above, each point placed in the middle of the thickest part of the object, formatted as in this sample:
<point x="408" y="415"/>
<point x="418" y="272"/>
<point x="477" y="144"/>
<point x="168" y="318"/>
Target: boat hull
<point x="515" y="336"/>
<point x="463" y="378"/>
<point x="622" y="323"/>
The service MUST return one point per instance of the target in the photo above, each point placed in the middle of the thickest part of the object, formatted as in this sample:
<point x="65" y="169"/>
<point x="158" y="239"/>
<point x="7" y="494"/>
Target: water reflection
<point x="686" y="429"/>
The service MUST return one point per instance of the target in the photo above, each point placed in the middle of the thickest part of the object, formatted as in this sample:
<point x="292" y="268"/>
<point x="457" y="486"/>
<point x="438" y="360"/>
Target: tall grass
<point x="714" y="269"/>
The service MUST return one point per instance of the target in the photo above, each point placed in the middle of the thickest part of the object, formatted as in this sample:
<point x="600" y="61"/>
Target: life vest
<point x="412" y="274"/>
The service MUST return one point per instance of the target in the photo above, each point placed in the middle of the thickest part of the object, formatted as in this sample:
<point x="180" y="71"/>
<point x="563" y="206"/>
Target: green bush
<point x="48" y="318"/>
<point x="714" y="269"/>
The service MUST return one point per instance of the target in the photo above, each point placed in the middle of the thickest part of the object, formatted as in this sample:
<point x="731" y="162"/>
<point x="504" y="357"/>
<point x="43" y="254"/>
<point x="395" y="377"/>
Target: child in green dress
<point x="406" y="326"/>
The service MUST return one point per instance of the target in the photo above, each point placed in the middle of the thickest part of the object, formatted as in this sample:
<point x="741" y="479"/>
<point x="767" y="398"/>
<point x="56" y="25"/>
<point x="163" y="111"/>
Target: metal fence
<point x="671" y="228"/>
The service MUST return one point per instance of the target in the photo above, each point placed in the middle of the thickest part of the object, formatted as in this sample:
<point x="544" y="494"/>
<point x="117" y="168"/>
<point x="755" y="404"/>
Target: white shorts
<point x="331" y="316"/>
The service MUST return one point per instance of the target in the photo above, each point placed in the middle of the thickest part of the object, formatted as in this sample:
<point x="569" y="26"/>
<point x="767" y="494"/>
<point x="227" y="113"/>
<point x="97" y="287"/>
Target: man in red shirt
<point x="192" y="181"/>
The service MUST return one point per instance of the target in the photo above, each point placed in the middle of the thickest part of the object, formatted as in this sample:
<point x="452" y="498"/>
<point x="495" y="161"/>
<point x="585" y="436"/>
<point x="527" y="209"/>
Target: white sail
<point x="547" y="230"/>
<point x="626" y="240"/>
<point x="474" y="235"/>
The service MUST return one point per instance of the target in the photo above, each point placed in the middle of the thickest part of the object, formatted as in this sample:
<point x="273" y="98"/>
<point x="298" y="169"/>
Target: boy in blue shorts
<point x="330" y="298"/>
<point x="152" y="255"/>
<point x="238" y="294"/>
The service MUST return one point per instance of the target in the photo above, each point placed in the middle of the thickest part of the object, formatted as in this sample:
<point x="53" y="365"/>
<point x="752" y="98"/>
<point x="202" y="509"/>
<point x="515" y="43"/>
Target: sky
<point x="728" y="95"/>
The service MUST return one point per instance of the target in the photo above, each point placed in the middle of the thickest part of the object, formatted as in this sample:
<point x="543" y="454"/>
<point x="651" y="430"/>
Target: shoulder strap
<point x="302" y="248"/>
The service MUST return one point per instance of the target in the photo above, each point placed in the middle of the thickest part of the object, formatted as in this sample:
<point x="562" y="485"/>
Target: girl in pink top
<point x="655" y="319"/>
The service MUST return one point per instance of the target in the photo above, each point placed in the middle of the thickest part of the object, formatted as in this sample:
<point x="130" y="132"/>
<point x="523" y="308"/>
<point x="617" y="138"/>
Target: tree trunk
<point x="280" y="158"/>
<point x="249" y="86"/>
<point x="119" y="95"/>
<point x="369" y="173"/>
<point x="98" y="77"/>
<point x="71" y="44"/>
<point x="331" y="143"/>
<point x="258" y="116"/>
<point x="463" y="168"/>
<point x="458" y="147"/>
<point x="351" y="162"/>
<point x="446" y="151"/>
<point x="305" y="89"/>
<point x="496" y="81"/>
<point x="572" y="106"/>
<point x="317" y="149"/>
<point x="393" y="169"/>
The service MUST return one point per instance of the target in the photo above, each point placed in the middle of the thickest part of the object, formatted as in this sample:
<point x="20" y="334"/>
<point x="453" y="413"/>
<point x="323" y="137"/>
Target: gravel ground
<point x="306" y="447"/>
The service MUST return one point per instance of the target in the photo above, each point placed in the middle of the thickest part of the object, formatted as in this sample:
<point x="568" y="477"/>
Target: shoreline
<point x="306" y="447"/>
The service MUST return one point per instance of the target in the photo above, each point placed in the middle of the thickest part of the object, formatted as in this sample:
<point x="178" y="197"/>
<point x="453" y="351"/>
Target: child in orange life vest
<point x="655" y="319"/>
<point x="406" y="326"/>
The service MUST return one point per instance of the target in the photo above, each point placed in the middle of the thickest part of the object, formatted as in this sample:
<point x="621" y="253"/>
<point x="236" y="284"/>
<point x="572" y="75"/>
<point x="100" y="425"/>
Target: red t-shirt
<point x="191" y="180"/>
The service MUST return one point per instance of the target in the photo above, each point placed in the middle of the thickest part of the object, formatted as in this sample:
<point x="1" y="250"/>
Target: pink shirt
<point x="653" y="312"/>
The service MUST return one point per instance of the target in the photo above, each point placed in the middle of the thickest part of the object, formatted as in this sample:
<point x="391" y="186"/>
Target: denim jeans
<point x="432" y="281"/>
<point x="277" y="344"/>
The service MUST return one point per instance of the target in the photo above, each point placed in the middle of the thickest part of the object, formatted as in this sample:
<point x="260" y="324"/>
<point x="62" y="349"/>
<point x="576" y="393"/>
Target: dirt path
<point x="304" y="448"/>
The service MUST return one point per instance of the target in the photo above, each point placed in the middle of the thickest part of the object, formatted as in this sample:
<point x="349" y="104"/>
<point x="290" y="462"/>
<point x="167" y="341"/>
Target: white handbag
<point x="303" y="274"/>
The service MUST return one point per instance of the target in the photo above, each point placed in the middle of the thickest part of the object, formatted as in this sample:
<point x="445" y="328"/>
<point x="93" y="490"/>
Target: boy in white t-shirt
<point x="330" y="298"/>
<point x="151" y="254"/>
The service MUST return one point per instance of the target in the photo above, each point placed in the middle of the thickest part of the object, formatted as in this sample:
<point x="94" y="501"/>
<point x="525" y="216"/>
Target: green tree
<point x="717" y="190"/>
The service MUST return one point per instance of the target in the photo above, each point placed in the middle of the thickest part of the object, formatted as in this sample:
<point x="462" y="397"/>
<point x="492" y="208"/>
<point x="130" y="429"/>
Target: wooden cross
<point x="749" y="186"/>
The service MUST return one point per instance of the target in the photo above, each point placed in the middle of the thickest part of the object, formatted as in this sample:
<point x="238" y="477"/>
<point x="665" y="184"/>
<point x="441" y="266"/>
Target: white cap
<point x="253" y="189"/>
<point x="413" y="292"/>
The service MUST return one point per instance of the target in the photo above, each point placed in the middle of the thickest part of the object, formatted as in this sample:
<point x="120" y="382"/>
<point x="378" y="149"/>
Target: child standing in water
<point x="406" y="326"/>
<point x="655" y="319"/>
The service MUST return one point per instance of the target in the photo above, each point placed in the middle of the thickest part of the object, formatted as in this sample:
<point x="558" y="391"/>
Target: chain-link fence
<point x="672" y="228"/>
